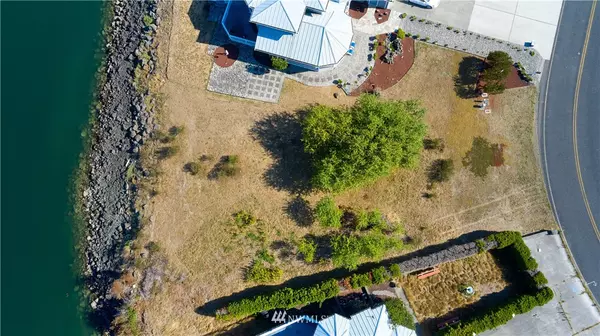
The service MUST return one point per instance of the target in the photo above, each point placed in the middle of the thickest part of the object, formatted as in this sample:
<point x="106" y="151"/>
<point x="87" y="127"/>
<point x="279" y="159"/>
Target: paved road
<point x="568" y="169"/>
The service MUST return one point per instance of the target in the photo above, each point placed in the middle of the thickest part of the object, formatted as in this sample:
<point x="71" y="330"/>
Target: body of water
<point x="48" y="64"/>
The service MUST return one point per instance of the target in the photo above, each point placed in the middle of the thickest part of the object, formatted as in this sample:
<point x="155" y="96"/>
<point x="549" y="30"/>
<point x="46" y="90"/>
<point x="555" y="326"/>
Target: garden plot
<point x="439" y="294"/>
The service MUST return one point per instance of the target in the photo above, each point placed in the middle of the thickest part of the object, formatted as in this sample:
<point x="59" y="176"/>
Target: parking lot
<point x="517" y="21"/>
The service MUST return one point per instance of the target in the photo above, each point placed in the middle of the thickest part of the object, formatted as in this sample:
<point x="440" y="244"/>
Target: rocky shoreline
<point x="122" y="123"/>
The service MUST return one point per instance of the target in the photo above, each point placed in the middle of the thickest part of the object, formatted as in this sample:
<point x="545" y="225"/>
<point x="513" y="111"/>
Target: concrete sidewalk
<point x="571" y="312"/>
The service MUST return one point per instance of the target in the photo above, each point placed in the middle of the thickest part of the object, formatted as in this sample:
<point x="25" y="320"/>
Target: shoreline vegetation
<point x="105" y="195"/>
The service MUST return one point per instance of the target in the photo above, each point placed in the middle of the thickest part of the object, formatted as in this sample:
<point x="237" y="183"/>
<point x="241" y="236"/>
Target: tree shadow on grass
<point x="281" y="136"/>
<point x="198" y="14"/>
<point x="465" y="83"/>
<point x="299" y="210"/>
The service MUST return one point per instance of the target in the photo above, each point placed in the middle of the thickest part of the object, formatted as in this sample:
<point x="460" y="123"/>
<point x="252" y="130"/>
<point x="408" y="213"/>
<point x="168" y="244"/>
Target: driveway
<point x="513" y="20"/>
<point x="570" y="312"/>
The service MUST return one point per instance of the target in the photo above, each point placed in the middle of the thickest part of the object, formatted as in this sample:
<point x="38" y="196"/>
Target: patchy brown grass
<point x="439" y="294"/>
<point x="189" y="216"/>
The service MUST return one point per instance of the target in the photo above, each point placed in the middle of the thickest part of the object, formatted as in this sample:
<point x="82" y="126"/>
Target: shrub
<point x="401" y="34"/>
<point x="349" y="250"/>
<point x="244" y="218"/>
<point x="357" y="145"/>
<point x="412" y="18"/>
<point x="279" y="63"/>
<point x="284" y="298"/>
<point x="148" y="20"/>
<point x="441" y="170"/>
<point x="449" y="27"/>
<point x="434" y="144"/>
<point x="229" y="166"/>
<point x="152" y="247"/>
<point x="375" y="245"/>
<point x="192" y="167"/>
<point x="307" y="248"/>
<point x="539" y="279"/>
<point x="395" y="270"/>
<point x="261" y="274"/>
<point x="426" y="39"/>
<point x="264" y="255"/>
<point x="328" y="213"/>
<point x="167" y="152"/>
<point x="380" y="275"/>
<point x="176" y="130"/>
<point x="370" y="220"/>
<point x="398" y="313"/>
<point x="532" y="53"/>
<point x="360" y="280"/>
<point x="403" y="15"/>
<point x="480" y="245"/>
<point x="346" y="251"/>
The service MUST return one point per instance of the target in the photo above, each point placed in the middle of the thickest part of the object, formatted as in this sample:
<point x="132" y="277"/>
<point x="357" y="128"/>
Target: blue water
<point x="48" y="64"/>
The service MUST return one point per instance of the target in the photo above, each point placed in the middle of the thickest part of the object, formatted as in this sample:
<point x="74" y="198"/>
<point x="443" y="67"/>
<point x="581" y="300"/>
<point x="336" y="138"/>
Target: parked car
<point x="429" y="4"/>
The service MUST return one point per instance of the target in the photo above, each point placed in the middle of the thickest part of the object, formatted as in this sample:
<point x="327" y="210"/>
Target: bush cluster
<point x="279" y="63"/>
<point x="361" y="280"/>
<point x="399" y="314"/>
<point x="262" y="274"/>
<point x="441" y="170"/>
<point x="501" y="314"/>
<point x="395" y="270"/>
<point x="376" y="276"/>
<point x="328" y="213"/>
<point x="368" y="220"/>
<point x="349" y="250"/>
<point x="380" y="275"/>
<point x="283" y="298"/>
<point x="308" y="249"/>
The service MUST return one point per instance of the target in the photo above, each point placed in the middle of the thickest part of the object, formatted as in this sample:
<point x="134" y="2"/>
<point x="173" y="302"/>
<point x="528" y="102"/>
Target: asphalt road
<point x="572" y="163"/>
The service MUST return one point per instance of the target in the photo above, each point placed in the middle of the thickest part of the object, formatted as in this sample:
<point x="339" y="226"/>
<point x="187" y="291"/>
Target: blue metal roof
<point x="322" y="39"/>
<point x="279" y="14"/>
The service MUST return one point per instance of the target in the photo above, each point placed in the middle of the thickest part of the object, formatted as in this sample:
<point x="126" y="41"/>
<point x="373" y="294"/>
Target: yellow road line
<point x="575" y="105"/>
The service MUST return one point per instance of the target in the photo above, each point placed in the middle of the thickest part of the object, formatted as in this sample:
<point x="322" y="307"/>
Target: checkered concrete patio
<point x="245" y="78"/>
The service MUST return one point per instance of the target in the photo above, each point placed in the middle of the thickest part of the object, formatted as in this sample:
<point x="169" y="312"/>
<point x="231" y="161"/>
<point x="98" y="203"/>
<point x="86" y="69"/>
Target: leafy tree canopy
<point x="499" y="64"/>
<point x="356" y="145"/>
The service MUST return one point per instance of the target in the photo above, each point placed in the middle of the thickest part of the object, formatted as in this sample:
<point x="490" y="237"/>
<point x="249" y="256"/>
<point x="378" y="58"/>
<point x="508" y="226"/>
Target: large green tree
<point x="498" y="68"/>
<point x="356" y="145"/>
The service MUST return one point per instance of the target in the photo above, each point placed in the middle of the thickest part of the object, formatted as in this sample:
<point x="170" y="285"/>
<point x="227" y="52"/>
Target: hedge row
<point x="501" y="314"/>
<point x="514" y="241"/>
<point x="283" y="298"/>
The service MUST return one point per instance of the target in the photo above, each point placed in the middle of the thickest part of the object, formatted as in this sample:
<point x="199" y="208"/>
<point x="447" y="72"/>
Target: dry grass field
<point x="439" y="294"/>
<point x="189" y="216"/>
